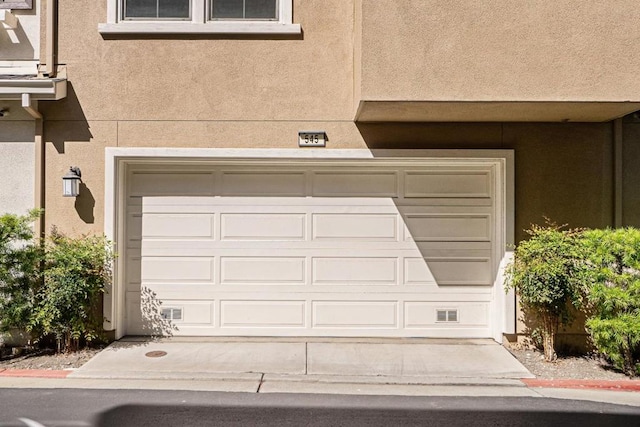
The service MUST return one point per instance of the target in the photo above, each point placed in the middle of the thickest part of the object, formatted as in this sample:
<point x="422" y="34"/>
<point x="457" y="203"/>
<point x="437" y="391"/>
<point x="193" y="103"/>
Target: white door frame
<point x="118" y="159"/>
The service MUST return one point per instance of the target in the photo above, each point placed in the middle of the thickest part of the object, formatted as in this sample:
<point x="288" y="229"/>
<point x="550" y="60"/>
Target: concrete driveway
<point x="383" y="360"/>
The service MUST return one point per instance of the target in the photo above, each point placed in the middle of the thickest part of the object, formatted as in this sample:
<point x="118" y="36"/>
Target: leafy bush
<point x="614" y="296"/>
<point x="546" y="273"/>
<point x="76" y="272"/>
<point x="20" y="273"/>
<point x="53" y="288"/>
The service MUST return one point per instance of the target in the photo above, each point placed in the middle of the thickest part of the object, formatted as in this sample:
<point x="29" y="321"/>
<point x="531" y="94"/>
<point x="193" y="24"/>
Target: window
<point x="244" y="9"/>
<point x="199" y="16"/>
<point x="156" y="9"/>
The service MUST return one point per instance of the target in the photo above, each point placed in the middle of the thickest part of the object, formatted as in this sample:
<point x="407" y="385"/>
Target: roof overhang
<point x="493" y="111"/>
<point x="12" y="88"/>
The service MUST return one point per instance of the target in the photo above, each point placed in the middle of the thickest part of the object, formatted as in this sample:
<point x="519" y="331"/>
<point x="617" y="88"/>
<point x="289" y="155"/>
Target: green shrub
<point x="53" y="288"/>
<point x="76" y="273"/>
<point x="547" y="274"/>
<point x="614" y="295"/>
<point x="20" y="273"/>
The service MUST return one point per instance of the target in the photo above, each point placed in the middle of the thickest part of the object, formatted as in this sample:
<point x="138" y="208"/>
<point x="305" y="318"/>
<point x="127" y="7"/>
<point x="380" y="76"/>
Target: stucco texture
<point x="207" y="78"/>
<point x="16" y="165"/>
<point x="500" y="50"/>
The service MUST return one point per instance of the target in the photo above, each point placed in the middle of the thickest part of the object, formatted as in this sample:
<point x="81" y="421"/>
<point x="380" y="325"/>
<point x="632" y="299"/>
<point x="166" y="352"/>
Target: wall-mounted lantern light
<point x="71" y="182"/>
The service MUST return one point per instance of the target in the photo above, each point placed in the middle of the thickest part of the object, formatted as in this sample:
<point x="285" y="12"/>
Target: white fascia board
<point x="38" y="89"/>
<point x="221" y="28"/>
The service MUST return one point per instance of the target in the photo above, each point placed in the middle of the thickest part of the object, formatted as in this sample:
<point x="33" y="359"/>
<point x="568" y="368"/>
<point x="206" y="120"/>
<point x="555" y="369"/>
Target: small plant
<point x="614" y="296"/>
<point x="76" y="273"/>
<point x="20" y="273"/>
<point x="546" y="273"/>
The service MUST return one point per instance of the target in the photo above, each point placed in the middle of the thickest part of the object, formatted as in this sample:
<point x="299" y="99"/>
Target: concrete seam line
<point x="260" y="383"/>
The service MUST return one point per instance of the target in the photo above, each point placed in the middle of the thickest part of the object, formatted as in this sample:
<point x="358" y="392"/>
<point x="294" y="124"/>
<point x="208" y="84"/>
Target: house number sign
<point x="312" y="139"/>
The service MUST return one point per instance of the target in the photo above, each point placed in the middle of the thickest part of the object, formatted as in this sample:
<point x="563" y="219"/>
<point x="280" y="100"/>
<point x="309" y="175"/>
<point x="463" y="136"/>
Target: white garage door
<point x="373" y="248"/>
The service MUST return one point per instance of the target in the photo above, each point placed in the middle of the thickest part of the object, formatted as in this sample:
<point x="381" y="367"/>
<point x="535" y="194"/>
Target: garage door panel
<point x="263" y="226"/>
<point x="448" y="184"/>
<point x="356" y="227"/>
<point x="167" y="183"/>
<point x="261" y="314"/>
<point x="358" y="314"/>
<point x="182" y="269"/>
<point x="177" y="225"/>
<point x="355" y="184"/>
<point x="461" y="271"/>
<point x="184" y="312"/>
<point x="448" y="227"/>
<point x="423" y="314"/>
<point x="355" y="270"/>
<point x="417" y="272"/>
<point x="267" y="183"/>
<point x="355" y="314"/>
<point x="263" y="270"/>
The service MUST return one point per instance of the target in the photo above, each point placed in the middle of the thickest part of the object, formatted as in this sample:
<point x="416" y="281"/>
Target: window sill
<point x="222" y="28"/>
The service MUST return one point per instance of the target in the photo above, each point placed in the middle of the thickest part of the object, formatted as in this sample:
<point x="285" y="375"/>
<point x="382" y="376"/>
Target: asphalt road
<point x="141" y="408"/>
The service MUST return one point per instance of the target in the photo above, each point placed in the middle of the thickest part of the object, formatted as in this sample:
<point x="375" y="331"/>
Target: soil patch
<point x="47" y="359"/>
<point x="588" y="367"/>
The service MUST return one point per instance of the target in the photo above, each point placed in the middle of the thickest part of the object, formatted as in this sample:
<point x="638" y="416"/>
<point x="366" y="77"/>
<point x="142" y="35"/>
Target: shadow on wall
<point x="570" y="340"/>
<point x="14" y="42"/>
<point x="431" y="135"/>
<point x="153" y="323"/>
<point x="67" y="121"/>
<point x="85" y="202"/>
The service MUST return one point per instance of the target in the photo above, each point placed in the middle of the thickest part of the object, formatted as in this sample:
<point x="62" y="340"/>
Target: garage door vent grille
<point x="172" y="313"/>
<point x="447" y="315"/>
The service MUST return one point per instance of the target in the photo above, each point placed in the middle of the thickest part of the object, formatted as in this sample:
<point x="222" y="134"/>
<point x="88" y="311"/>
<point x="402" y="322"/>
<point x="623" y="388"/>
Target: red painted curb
<point x="34" y="373"/>
<point x="628" y="385"/>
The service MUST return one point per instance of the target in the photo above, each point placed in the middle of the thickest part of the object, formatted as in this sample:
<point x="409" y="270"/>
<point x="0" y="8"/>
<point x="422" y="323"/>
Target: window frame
<point x="200" y="23"/>
<point x="122" y="17"/>
<point x="211" y="18"/>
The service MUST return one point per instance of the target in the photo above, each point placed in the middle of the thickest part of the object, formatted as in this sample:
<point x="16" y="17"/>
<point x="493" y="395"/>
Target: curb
<point x="34" y="373"/>
<point x="611" y="385"/>
<point x="605" y="385"/>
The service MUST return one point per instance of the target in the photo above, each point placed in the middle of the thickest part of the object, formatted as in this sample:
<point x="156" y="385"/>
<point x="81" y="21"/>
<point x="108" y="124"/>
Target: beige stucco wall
<point x="507" y="50"/>
<point x="16" y="160"/>
<point x="214" y="79"/>
<point x="251" y="92"/>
